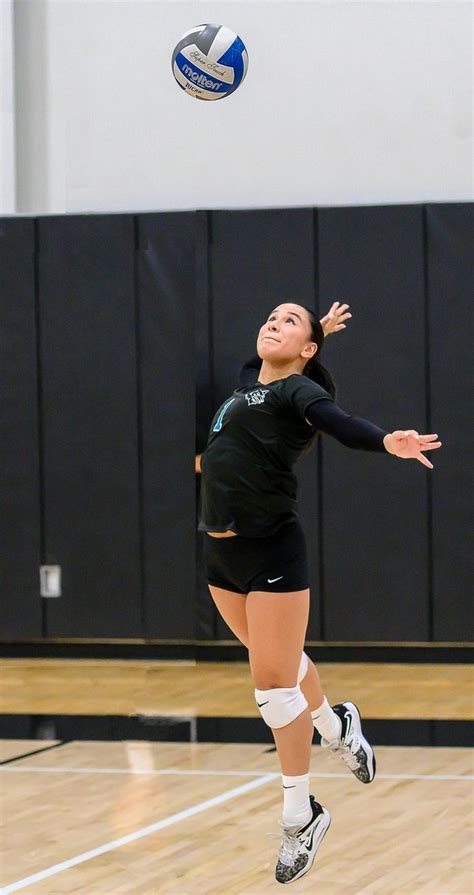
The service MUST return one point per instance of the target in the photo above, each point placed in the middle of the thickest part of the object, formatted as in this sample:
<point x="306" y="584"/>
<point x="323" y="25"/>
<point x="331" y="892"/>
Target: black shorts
<point x="277" y="563"/>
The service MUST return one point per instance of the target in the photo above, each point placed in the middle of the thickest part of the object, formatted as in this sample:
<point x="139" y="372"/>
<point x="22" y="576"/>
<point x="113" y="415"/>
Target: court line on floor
<point x="212" y="773"/>
<point x="138" y="834"/>
<point x="34" y="752"/>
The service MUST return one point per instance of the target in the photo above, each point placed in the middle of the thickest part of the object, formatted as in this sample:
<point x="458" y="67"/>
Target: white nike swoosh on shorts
<point x="271" y="580"/>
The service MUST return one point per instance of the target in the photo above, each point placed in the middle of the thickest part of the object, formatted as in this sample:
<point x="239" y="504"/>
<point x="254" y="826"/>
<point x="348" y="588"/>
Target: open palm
<point x="333" y="321"/>
<point x="408" y="445"/>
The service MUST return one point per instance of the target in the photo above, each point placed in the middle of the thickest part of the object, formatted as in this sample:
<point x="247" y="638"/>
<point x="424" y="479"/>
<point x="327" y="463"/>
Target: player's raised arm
<point x="357" y="432"/>
<point x="352" y="431"/>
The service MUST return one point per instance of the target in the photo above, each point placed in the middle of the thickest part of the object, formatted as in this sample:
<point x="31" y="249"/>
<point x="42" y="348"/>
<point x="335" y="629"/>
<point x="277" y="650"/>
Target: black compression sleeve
<point x="353" y="431"/>
<point x="249" y="371"/>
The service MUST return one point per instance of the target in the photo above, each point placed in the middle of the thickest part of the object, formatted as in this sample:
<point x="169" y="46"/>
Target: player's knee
<point x="269" y="678"/>
<point x="280" y="706"/>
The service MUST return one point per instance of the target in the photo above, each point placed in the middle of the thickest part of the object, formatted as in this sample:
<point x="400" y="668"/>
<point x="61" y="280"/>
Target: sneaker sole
<point x="324" y="827"/>
<point x="371" y="763"/>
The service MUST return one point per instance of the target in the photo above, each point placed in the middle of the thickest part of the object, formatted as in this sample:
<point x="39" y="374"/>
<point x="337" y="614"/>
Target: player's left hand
<point x="333" y="321"/>
<point x="409" y="445"/>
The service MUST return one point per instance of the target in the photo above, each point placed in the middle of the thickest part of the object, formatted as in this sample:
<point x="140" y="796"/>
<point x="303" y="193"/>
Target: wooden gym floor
<point x="190" y="818"/>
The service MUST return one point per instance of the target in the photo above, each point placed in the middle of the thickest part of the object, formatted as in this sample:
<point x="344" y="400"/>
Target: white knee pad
<point x="302" y="670"/>
<point x="280" y="706"/>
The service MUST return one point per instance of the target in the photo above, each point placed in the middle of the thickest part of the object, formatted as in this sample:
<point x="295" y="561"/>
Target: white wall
<point x="7" y="114"/>
<point x="344" y="103"/>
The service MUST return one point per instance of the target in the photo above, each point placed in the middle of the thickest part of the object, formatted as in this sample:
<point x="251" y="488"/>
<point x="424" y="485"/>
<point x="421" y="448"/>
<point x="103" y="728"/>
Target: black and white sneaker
<point x="352" y="746"/>
<point x="300" y="844"/>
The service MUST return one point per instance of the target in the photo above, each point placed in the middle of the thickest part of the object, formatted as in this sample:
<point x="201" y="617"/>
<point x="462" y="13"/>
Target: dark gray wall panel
<point x="89" y="389"/>
<point x="206" y="612"/>
<point x="260" y="259"/>
<point x="375" y="505"/>
<point x="166" y="289"/>
<point x="20" y="541"/>
<point x="132" y="321"/>
<point x="204" y="372"/>
<point x="450" y="240"/>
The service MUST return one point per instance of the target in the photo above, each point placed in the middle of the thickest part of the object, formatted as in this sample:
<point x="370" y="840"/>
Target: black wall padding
<point x="206" y="612"/>
<point x="260" y="259"/>
<point x="375" y="505"/>
<point x="20" y="541"/>
<point x="122" y="334"/>
<point x="204" y="378"/>
<point x="89" y="394"/>
<point x="450" y="241"/>
<point x="166" y="289"/>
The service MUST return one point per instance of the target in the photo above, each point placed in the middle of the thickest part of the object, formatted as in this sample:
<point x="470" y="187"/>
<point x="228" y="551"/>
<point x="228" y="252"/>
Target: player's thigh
<point x="277" y="625"/>
<point x="231" y="607"/>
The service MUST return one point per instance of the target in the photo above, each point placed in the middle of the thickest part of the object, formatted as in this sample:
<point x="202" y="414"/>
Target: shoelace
<point x="347" y="753"/>
<point x="347" y="750"/>
<point x="289" y="846"/>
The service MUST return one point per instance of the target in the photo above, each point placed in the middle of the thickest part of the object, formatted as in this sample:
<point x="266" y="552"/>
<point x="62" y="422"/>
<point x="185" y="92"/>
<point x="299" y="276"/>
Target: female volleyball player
<point x="254" y="547"/>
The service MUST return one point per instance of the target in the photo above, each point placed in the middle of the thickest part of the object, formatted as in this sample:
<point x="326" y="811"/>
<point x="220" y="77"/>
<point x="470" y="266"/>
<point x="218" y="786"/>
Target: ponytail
<point x="314" y="369"/>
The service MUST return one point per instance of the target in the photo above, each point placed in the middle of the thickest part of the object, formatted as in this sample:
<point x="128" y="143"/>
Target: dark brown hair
<point x="314" y="369"/>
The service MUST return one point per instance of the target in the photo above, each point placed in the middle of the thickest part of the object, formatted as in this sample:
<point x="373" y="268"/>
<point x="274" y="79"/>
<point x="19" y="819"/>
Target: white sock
<point x="296" y="804"/>
<point x="327" y="722"/>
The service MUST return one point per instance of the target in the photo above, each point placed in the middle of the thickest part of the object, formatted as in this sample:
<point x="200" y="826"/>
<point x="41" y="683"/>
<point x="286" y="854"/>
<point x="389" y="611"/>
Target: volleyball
<point x="209" y="62"/>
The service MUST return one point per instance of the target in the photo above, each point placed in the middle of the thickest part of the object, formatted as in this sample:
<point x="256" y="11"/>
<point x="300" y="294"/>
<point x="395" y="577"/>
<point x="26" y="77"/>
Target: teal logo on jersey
<point x="218" y="424"/>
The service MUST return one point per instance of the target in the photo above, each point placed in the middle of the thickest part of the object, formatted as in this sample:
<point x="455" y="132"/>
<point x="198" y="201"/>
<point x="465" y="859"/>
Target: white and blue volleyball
<point x="210" y="62"/>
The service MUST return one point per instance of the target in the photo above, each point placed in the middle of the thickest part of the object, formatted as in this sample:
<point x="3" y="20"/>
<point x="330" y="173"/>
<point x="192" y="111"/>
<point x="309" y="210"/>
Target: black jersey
<point x="257" y="435"/>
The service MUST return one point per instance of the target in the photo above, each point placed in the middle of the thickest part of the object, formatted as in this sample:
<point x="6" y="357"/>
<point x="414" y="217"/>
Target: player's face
<point x="285" y="333"/>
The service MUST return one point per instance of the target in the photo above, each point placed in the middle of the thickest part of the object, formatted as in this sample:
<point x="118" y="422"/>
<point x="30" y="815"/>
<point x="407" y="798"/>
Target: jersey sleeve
<point x="249" y="371"/>
<point x="300" y="391"/>
<point x="352" y="431"/>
